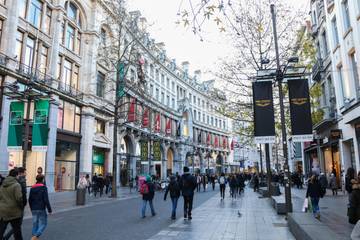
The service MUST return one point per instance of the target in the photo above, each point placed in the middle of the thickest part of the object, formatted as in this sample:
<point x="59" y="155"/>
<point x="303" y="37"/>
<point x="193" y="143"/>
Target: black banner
<point x="301" y="123"/>
<point x="264" y="123"/>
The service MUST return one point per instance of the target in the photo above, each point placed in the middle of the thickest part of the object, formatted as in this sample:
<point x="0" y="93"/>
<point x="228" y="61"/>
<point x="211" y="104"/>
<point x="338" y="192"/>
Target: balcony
<point x="329" y="118"/>
<point x="317" y="70"/>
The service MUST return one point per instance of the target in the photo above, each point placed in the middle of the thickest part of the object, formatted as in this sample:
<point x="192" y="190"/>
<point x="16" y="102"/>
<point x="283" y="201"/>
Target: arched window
<point x="71" y="28"/>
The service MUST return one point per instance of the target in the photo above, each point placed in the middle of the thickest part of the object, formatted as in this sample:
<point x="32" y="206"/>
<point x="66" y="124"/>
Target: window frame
<point x="100" y="84"/>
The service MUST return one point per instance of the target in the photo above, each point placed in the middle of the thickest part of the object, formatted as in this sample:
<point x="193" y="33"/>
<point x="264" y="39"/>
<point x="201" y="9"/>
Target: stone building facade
<point x="50" y="48"/>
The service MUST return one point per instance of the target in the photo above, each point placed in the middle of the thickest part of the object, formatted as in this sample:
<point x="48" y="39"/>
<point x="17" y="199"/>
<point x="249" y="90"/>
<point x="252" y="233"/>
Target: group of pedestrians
<point x="13" y="199"/>
<point x="98" y="183"/>
<point x="203" y="180"/>
<point x="184" y="185"/>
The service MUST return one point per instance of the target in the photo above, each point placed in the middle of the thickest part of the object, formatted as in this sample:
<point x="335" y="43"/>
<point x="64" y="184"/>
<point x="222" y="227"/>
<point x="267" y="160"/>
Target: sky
<point x="181" y="43"/>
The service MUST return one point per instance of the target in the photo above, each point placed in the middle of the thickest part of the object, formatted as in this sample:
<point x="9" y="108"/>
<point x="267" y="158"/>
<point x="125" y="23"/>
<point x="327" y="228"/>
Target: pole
<point x="279" y="78"/>
<point x="150" y="142"/>
<point x="268" y="168"/>
<point x="2" y="81"/>
<point x="115" y="140"/>
<point x="27" y="130"/>
<point x="261" y="163"/>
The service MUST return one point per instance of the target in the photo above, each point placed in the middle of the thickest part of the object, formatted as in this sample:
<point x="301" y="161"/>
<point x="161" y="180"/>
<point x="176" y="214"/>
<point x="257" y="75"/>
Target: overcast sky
<point x="181" y="43"/>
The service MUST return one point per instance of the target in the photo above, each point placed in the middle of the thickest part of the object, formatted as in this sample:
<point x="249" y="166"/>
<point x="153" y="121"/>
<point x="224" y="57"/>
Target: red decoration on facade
<point x="132" y="112"/>
<point x="157" y="126"/>
<point x="145" y="119"/>
<point x="168" y="127"/>
<point x="232" y="145"/>
<point x="224" y="142"/>
<point x="208" y="139"/>
<point x="216" y="141"/>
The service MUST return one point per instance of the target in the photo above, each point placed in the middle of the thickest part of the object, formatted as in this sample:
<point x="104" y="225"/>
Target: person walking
<point x="204" y="181"/>
<point x="174" y="189"/>
<point x="212" y="179"/>
<point x="323" y="183"/>
<point x="147" y="190"/>
<point x="350" y="175"/>
<point x="333" y="184"/>
<point x="233" y="185"/>
<point x="314" y="191"/>
<point x="187" y="186"/>
<point x="107" y="184"/>
<point x="256" y="182"/>
<point x="95" y="187"/>
<point x="87" y="178"/>
<point x="198" y="183"/>
<point x="11" y="205"/>
<point x="101" y="184"/>
<point x="39" y="202"/>
<point x="222" y="182"/>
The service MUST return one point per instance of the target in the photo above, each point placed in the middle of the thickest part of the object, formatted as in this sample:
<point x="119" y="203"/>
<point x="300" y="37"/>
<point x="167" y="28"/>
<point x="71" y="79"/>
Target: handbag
<point x="310" y="207"/>
<point x="305" y="205"/>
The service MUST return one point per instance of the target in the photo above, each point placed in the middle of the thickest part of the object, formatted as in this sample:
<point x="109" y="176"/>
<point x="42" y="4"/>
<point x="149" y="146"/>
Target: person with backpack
<point x="11" y="205"/>
<point x="222" y="182"/>
<point x="147" y="190"/>
<point x="187" y="186"/>
<point x="174" y="189"/>
<point x="39" y="202"/>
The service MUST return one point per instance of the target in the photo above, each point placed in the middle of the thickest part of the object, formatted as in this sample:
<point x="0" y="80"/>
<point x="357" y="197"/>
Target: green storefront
<point x="98" y="161"/>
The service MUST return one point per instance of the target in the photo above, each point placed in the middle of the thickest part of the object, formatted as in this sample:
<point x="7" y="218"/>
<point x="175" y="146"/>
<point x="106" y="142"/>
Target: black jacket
<point x="187" y="185"/>
<point x="354" y="210"/>
<point x="39" y="198"/>
<point x="314" y="190"/>
<point x="22" y="182"/>
<point x="150" y="195"/>
<point x="174" y="189"/>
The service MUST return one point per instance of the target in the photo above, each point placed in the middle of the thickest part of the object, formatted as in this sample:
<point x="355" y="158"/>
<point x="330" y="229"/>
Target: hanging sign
<point x="145" y="119"/>
<point x="168" y="127"/>
<point x="264" y="123"/>
<point x="16" y="126"/>
<point x="132" y="112"/>
<point x="157" y="151"/>
<point x="300" y="112"/>
<point x="144" y="150"/>
<point x="40" y="127"/>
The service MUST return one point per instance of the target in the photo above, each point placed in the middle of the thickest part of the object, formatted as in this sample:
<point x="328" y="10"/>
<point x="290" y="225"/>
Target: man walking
<point x="187" y="186"/>
<point x="21" y="178"/>
<point x="11" y="205"/>
<point x="39" y="202"/>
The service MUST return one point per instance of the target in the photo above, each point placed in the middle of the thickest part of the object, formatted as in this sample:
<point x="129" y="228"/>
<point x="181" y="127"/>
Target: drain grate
<point x="280" y="224"/>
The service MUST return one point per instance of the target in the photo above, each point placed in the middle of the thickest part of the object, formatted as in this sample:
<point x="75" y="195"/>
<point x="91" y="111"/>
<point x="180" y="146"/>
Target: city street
<point x="115" y="220"/>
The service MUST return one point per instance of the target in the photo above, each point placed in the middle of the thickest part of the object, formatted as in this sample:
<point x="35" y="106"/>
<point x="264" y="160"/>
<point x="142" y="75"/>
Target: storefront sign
<point x="157" y="151"/>
<point x="144" y="150"/>
<point x="16" y="126"/>
<point x="300" y="112"/>
<point x="264" y="123"/>
<point x="335" y="134"/>
<point x="145" y="118"/>
<point x="40" y="127"/>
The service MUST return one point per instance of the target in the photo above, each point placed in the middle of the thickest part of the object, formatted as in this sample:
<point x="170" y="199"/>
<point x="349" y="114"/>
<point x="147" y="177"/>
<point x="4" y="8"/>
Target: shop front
<point x="66" y="162"/>
<point x="98" y="161"/>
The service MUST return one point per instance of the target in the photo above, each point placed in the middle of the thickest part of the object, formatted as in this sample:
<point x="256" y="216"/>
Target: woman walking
<point x="174" y="190"/>
<point x="233" y="184"/>
<point x="314" y="192"/>
<point x="39" y="202"/>
<point x="333" y="184"/>
<point x="222" y="181"/>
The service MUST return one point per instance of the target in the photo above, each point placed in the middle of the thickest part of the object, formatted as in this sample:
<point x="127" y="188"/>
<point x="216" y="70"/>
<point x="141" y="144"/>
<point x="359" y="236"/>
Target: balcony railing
<point x="317" y="70"/>
<point x="329" y="113"/>
<point x="3" y="59"/>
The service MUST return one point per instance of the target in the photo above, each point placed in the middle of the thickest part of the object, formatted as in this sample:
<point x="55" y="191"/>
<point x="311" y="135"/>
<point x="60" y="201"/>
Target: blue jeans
<point x="39" y="218"/>
<point x="315" y="205"/>
<point x="144" y="207"/>
<point x="174" y="205"/>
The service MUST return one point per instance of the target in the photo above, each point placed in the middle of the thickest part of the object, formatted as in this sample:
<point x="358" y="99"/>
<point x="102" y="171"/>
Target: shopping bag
<point x="310" y="207"/>
<point x="305" y="205"/>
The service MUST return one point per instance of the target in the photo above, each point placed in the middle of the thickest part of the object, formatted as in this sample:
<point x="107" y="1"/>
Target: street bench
<point x="305" y="226"/>
<point x="279" y="204"/>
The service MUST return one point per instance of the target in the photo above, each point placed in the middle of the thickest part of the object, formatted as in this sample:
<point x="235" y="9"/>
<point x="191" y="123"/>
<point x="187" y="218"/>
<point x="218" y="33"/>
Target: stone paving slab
<point x="245" y="218"/>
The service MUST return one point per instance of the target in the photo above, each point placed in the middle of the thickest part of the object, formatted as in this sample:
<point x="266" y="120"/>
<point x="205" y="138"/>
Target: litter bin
<point x="80" y="196"/>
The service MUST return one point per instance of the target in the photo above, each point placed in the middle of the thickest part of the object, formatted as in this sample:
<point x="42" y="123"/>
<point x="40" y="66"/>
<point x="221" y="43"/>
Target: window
<point x="203" y="103"/>
<point x="216" y="122"/>
<point x="207" y="121"/>
<point x="212" y="121"/>
<point x="69" y="116"/>
<point x="151" y="89"/>
<point x="157" y="94"/>
<point x="22" y="8"/>
<point x="173" y="86"/>
<point x="173" y="103"/>
<point x="167" y="82"/>
<point x="168" y="100"/>
<point x="100" y="84"/>
<point x="162" y="79"/>
<point x="132" y="75"/>
<point x="199" y="116"/>
<point x="99" y="126"/>
<point x="47" y="24"/>
<point x="194" y="100"/>
<point x="354" y="69"/>
<point x="198" y="102"/>
<point x="157" y="74"/>
<point x="224" y="124"/>
<point x="335" y="32"/>
<point x="195" y="114"/>
<point x="69" y="74"/>
<point x="1" y="29"/>
<point x="71" y="28"/>
<point x="325" y="45"/>
<point x="43" y="59"/>
<point x="345" y="7"/>
<point x="29" y="52"/>
<point x="190" y="97"/>
<point x="19" y="44"/>
<point x="151" y="70"/>
<point x="345" y="85"/>
<point x="35" y="13"/>
<point x="103" y="36"/>
<point x="220" y="123"/>
<point x="162" y="98"/>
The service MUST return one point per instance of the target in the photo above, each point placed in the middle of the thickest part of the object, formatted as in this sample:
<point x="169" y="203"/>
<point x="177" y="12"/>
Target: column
<point x="87" y="138"/>
<point x="4" y="128"/>
<point x="51" y="151"/>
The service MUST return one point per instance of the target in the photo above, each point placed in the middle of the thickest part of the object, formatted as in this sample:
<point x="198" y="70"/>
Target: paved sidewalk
<point x="216" y="220"/>
<point x="333" y="210"/>
<point x="66" y="201"/>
